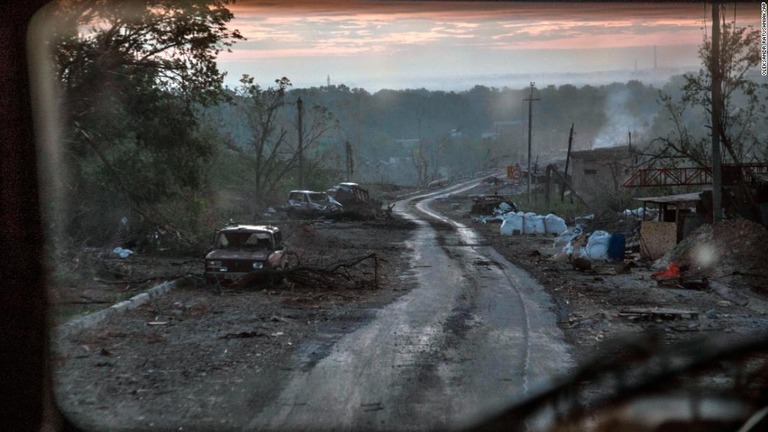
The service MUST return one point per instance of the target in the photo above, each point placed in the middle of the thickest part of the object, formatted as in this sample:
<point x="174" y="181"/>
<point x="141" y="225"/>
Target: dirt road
<point x="453" y="332"/>
<point x="475" y="333"/>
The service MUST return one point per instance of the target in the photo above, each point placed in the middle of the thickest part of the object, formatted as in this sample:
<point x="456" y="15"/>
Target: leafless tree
<point x="743" y="105"/>
<point x="271" y="151"/>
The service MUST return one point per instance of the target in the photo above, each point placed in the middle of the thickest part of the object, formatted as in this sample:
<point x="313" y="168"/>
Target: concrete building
<point x="601" y="171"/>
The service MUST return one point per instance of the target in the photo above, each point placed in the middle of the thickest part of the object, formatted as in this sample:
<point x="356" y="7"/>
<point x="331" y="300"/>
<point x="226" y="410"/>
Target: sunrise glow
<point x="359" y="40"/>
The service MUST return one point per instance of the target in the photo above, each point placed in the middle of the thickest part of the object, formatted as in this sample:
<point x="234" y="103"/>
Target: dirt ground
<point x="184" y="355"/>
<point x="597" y="305"/>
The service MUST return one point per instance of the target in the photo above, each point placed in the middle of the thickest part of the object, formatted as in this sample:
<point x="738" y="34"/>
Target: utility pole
<point x="530" y="120"/>
<point x="300" y="107"/>
<point x="717" y="100"/>
<point x="567" y="160"/>
<point x="350" y="161"/>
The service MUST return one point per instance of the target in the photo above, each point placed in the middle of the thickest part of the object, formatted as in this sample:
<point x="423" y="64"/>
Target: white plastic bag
<point x="529" y="222"/>
<point x="506" y="228"/>
<point x="554" y="224"/>
<point x="597" y="246"/>
<point x="512" y="222"/>
<point x="539" y="227"/>
<point x="504" y="208"/>
<point x="563" y="241"/>
<point x="122" y="253"/>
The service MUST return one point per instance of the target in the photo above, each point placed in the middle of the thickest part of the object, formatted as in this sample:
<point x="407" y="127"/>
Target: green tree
<point x="132" y="76"/>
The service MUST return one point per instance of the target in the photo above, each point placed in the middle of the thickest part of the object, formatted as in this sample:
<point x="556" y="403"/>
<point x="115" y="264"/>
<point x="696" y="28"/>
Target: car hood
<point x="235" y="254"/>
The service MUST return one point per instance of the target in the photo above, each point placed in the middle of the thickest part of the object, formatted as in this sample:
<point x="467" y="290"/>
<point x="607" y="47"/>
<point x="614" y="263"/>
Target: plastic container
<point x="597" y="246"/>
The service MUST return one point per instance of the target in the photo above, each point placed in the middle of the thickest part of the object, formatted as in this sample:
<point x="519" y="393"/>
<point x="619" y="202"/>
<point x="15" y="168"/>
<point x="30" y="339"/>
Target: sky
<point x="456" y="45"/>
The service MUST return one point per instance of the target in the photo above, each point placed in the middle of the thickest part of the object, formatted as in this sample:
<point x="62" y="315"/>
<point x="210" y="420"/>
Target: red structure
<point x="733" y="174"/>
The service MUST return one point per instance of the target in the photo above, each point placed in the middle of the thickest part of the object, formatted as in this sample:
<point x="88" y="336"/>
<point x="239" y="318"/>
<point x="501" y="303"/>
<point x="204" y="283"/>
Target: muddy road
<point x="474" y="334"/>
<point x="454" y="332"/>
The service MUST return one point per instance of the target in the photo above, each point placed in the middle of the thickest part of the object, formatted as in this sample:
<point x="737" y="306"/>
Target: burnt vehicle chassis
<point x="239" y="250"/>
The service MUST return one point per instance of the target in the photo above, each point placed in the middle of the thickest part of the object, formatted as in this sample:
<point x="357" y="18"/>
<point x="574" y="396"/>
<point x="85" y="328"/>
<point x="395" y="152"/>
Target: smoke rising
<point x="621" y="119"/>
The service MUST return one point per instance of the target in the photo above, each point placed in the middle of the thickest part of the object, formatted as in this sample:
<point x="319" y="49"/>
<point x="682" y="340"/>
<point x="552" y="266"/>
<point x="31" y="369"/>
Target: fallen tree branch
<point x="344" y="274"/>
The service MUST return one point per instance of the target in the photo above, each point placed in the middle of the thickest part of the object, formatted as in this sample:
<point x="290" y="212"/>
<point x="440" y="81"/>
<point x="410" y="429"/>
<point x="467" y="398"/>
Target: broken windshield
<point x="318" y="197"/>
<point x="235" y="240"/>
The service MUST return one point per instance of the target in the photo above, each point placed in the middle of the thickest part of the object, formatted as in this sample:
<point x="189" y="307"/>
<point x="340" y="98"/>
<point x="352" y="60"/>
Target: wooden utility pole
<point x="548" y="186"/>
<point x="350" y="161"/>
<point x="567" y="160"/>
<point x="530" y="100"/>
<point x="299" y="106"/>
<point x="717" y="101"/>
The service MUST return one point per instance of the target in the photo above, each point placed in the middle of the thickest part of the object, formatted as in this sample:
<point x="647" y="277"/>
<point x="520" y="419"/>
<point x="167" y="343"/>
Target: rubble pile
<point x="729" y="250"/>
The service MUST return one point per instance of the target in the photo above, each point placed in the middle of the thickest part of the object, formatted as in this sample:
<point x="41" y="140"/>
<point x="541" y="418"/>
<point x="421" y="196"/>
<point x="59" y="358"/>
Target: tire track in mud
<point x="467" y="341"/>
<point x="470" y="239"/>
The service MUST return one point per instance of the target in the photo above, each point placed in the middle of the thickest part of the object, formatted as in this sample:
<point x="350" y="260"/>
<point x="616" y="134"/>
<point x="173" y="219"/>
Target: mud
<point x="209" y="361"/>
<point x="592" y="306"/>
<point x="194" y="357"/>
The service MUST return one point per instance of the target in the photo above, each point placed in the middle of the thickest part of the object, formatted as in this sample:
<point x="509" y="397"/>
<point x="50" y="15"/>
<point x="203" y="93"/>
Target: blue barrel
<point x="616" y="247"/>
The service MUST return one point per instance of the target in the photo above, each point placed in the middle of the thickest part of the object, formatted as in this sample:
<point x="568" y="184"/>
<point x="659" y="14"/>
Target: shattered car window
<point x="241" y="240"/>
<point x="318" y="197"/>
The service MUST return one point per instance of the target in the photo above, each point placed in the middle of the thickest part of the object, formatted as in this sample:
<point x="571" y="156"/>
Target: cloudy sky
<point x="455" y="45"/>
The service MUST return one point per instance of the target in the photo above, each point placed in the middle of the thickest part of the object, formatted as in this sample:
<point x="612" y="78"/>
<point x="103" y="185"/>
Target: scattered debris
<point x="729" y="294"/>
<point x="672" y="271"/>
<point x="487" y="204"/>
<point x="640" y="213"/>
<point x="353" y="273"/>
<point x="122" y="253"/>
<point x="244" y="335"/>
<point x="657" y="314"/>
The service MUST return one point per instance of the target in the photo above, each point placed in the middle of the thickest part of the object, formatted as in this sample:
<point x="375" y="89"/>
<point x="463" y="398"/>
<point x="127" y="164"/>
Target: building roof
<point x="603" y="153"/>
<point x="687" y="197"/>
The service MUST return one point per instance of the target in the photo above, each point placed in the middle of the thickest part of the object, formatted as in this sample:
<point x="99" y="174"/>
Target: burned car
<point x="348" y="192"/>
<point x="357" y="202"/>
<point x="311" y="204"/>
<point x="242" y="249"/>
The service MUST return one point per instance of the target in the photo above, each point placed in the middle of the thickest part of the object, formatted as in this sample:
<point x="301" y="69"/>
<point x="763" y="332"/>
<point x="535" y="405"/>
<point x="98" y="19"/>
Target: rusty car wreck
<point x="311" y="204"/>
<point x="239" y="250"/>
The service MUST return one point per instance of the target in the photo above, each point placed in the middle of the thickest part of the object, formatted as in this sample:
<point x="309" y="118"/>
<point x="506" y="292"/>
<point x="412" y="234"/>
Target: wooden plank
<point x="657" y="238"/>
<point x="652" y="314"/>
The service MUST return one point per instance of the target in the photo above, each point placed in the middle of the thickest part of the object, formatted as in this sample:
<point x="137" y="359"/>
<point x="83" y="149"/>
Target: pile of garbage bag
<point x="639" y="213"/>
<point x="572" y="242"/>
<point x="531" y="223"/>
<point x="595" y="246"/>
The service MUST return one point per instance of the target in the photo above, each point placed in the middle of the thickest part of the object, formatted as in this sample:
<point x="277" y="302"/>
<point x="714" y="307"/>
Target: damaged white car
<point x="307" y="203"/>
